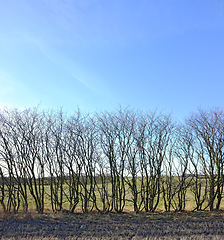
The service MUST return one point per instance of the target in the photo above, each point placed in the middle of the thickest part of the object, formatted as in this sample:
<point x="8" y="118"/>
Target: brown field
<point x="174" y="225"/>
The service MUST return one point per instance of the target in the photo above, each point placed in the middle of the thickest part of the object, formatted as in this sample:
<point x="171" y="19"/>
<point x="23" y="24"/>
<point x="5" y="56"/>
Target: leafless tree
<point x="12" y="164"/>
<point x="87" y="146"/>
<point x="208" y="129"/>
<point x="128" y="153"/>
<point x="54" y="142"/>
<point x="154" y="134"/>
<point x="107" y="160"/>
<point x="169" y="188"/>
<point x="73" y="163"/>
<point x="183" y="155"/>
<point x="29" y="125"/>
<point x="113" y="150"/>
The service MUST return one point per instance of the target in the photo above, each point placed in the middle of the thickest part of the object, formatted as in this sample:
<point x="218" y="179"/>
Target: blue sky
<point x="99" y="54"/>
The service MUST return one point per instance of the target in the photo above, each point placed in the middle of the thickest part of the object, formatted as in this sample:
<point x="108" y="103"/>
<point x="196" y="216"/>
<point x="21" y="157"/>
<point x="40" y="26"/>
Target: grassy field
<point x="173" y="225"/>
<point x="190" y="202"/>
<point x="127" y="225"/>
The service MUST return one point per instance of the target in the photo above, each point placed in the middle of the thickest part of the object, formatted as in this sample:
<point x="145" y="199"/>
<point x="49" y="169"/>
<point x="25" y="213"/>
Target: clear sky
<point x="99" y="54"/>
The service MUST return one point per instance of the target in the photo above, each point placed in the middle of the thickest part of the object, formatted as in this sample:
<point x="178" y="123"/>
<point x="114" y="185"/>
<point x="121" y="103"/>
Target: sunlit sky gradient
<point x="99" y="54"/>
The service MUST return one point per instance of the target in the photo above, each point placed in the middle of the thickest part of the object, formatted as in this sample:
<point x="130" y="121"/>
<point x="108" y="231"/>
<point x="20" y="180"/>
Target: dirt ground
<point x="186" y="225"/>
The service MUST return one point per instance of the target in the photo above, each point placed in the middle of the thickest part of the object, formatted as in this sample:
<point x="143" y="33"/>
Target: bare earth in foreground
<point x="187" y="225"/>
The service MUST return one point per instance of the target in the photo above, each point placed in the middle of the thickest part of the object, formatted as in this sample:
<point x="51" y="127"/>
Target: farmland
<point x="173" y="225"/>
<point x="97" y="206"/>
<point x="110" y="162"/>
<point x="114" y="175"/>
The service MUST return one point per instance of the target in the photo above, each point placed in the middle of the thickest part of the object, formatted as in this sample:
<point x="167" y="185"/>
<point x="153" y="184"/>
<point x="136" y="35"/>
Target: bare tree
<point x="183" y="155"/>
<point x="168" y="179"/>
<point x="107" y="160"/>
<point x="73" y="163"/>
<point x="12" y="162"/>
<point x="158" y="132"/>
<point x="114" y="154"/>
<point x="29" y="125"/>
<point x="207" y="127"/>
<point x="128" y="153"/>
<point x="87" y="151"/>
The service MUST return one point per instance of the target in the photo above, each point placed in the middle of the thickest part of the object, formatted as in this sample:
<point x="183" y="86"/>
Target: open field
<point x="189" y="199"/>
<point x="123" y="161"/>
<point x="174" y="225"/>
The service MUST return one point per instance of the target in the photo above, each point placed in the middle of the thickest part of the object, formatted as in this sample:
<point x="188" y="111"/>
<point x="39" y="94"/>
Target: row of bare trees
<point x="110" y="161"/>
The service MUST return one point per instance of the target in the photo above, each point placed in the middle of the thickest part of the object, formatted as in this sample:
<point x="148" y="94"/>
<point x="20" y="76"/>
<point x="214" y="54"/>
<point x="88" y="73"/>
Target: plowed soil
<point x="186" y="225"/>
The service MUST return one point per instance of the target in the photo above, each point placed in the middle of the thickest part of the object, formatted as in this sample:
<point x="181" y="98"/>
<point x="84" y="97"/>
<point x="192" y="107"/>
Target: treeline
<point x="106" y="161"/>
